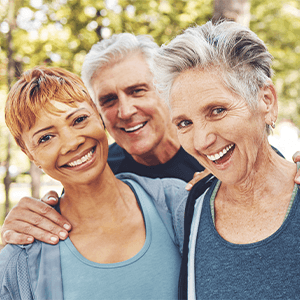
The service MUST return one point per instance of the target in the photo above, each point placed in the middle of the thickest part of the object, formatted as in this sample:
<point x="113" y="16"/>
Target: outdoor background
<point x="61" y="32"/>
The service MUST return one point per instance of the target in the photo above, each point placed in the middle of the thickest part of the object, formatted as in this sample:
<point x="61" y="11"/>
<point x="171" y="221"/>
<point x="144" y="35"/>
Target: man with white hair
<point x="117" y="75"/>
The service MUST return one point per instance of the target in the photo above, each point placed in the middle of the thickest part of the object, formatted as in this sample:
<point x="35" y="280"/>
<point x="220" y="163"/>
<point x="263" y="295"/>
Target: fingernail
<point x="54" y="239"/>
<point x="188" y="186"/>
<point x="52" y="198"/>
<point x="67" y="226"/>
<point x="30" y="239"/>
<point x="63" y="234"/>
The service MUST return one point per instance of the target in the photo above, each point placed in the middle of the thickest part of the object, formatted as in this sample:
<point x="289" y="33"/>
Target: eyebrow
<point x="133" y="87"/>
<point x="67" y="117"/>
<point x="74" y="112"/>
<point x="41" y="130"/>
<point x="127" y="90"/>
<point x="107" y="96"/>
<point x="177" y="118"/>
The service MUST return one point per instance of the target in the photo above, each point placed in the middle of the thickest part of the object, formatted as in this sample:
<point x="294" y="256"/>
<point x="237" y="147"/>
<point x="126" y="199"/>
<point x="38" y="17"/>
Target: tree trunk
<point x="235" y="10"/>
<point x="35" y="174"/>
<point x="11" y="17"/>
<point x="11" y="75"/>
<point x="7" y="178"/>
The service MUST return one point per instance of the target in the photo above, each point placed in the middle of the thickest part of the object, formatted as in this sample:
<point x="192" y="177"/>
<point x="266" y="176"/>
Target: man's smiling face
<point x="132" y="111"/>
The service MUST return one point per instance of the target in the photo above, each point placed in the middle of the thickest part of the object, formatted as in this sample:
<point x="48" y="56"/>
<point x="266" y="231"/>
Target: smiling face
<point x="71" y="146"/>
<point x="217" y="127"/>
<point x="133" y="114"/>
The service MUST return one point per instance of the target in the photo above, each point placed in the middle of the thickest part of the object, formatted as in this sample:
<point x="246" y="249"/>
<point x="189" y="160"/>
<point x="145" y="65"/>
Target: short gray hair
<point x="235" y="51"/>
<point x="117" y="47"/>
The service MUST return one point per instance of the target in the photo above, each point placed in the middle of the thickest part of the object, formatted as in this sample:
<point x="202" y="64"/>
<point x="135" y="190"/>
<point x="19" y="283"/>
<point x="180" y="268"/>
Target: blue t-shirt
<point x="268" y="269"/>
<point x="151" y="274"/>
<point x="181" y="166"/>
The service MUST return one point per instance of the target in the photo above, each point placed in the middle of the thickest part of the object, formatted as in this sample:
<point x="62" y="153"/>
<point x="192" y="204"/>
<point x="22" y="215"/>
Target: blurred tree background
<point x="61" y="32"/>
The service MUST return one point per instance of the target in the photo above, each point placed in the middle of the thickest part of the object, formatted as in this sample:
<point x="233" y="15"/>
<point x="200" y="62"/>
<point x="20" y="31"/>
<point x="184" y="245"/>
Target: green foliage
<point x="277" y="23"/>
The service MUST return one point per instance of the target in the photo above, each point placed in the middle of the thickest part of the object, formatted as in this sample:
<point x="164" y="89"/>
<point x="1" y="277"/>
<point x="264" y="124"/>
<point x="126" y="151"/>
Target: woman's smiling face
<point x="216" y="126"/>
<point x="70" y="146"/>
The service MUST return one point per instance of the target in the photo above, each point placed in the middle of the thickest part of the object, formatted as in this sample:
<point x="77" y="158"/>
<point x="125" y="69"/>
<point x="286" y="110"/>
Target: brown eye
<point x="80" y="119"/>
<point x="44" y="139"/>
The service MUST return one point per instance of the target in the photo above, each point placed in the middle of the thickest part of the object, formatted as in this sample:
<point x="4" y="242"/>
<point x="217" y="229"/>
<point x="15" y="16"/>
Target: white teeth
<point x="220" y="154"/>
<point x="134" y="128"/>
<point x="81" y="160"/>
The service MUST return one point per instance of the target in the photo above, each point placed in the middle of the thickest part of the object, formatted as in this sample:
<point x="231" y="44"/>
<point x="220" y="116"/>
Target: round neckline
<point x="148" y="229"/>
<point x="254" y="244"/>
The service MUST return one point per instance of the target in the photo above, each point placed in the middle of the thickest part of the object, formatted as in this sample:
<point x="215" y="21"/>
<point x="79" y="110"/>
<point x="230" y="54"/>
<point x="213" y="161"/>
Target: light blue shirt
<point x="151" y="274"/>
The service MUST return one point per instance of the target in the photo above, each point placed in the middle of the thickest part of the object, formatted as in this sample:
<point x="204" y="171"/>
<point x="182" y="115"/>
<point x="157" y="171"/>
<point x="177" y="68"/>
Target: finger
<point x="50" y="198"/>
<point x="30" y="221"/>
<point x="296" y="157"/>
<point x="15" y="237"/>
<point x="39" y="208"/>
<point x="197" y="176"/>
<point x="12" y="237"/>
<point x="297" y="177"/>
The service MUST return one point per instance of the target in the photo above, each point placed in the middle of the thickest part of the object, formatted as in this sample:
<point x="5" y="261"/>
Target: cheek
<point x="109" y="117"/>
<point x="186" y="141"/>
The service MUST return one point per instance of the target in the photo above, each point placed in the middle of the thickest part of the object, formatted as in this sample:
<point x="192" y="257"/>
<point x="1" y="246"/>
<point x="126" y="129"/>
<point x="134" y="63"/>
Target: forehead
<point x="194" y="89"/>
<point x="129" y="71"/>
<point x="61" y="110"/>
<point x="194" y="83"/>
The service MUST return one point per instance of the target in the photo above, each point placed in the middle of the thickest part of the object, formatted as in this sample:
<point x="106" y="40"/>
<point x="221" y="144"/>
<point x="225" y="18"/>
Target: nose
<point x="126" y="108"/>
<point x="203" y="138"/>
<point x="70" y="141"/>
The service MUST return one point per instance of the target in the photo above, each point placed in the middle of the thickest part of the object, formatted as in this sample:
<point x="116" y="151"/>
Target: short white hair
<point x="115" y="48"/>
<point x="233" y="50"/>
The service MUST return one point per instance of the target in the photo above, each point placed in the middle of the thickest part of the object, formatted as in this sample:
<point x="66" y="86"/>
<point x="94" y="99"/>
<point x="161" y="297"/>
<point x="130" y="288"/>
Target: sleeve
<point x="169" y="197"/>
<point x="9" y="263"/>
<point x="176" y="196"/>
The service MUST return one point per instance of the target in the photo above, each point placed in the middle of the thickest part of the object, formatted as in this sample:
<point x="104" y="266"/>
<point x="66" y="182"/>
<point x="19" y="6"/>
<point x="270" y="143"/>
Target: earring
<point x="273" y="125"/>
<point x="40" y="167"/>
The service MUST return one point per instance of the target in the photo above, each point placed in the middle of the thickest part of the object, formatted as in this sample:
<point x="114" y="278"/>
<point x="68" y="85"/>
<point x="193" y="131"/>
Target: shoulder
<point x="166" y="193"/>
<point x="155" y="184"/>
<point x="12" y="258"/>
<point x="9" y="256"/>
<point x="115" y="151"/>
<point x="117" y="158"/>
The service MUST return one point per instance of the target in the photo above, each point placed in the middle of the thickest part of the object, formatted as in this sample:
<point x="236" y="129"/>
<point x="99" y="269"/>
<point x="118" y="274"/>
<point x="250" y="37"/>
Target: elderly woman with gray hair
<point x="244" y="241"/>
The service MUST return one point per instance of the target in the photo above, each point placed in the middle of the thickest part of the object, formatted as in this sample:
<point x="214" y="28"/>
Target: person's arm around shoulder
<point x="33" y="219"/>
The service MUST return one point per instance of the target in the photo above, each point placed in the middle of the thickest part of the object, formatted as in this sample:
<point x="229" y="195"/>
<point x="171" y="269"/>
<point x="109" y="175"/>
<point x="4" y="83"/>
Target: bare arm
<point x="33" y="219"/>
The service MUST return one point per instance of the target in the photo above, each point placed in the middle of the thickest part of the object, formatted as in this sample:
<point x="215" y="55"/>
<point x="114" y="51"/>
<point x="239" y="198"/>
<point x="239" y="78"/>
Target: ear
<point x="268" y="97"/>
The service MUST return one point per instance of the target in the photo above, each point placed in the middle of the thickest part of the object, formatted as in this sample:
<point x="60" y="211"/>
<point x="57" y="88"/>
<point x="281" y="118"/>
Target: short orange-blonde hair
<point x="35" y="90"/>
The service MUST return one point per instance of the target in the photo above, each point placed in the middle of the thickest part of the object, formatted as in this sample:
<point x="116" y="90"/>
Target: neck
<point x="271" y="176"/>
<point x="96" y="203"/>
<point x="163" y="152"/>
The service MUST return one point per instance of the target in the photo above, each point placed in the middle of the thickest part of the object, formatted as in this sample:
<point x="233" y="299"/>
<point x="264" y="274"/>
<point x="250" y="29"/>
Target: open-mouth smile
<point x="135" y="128"/>
<point x="223" y="155"/>
<point x="82" y="160"/>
